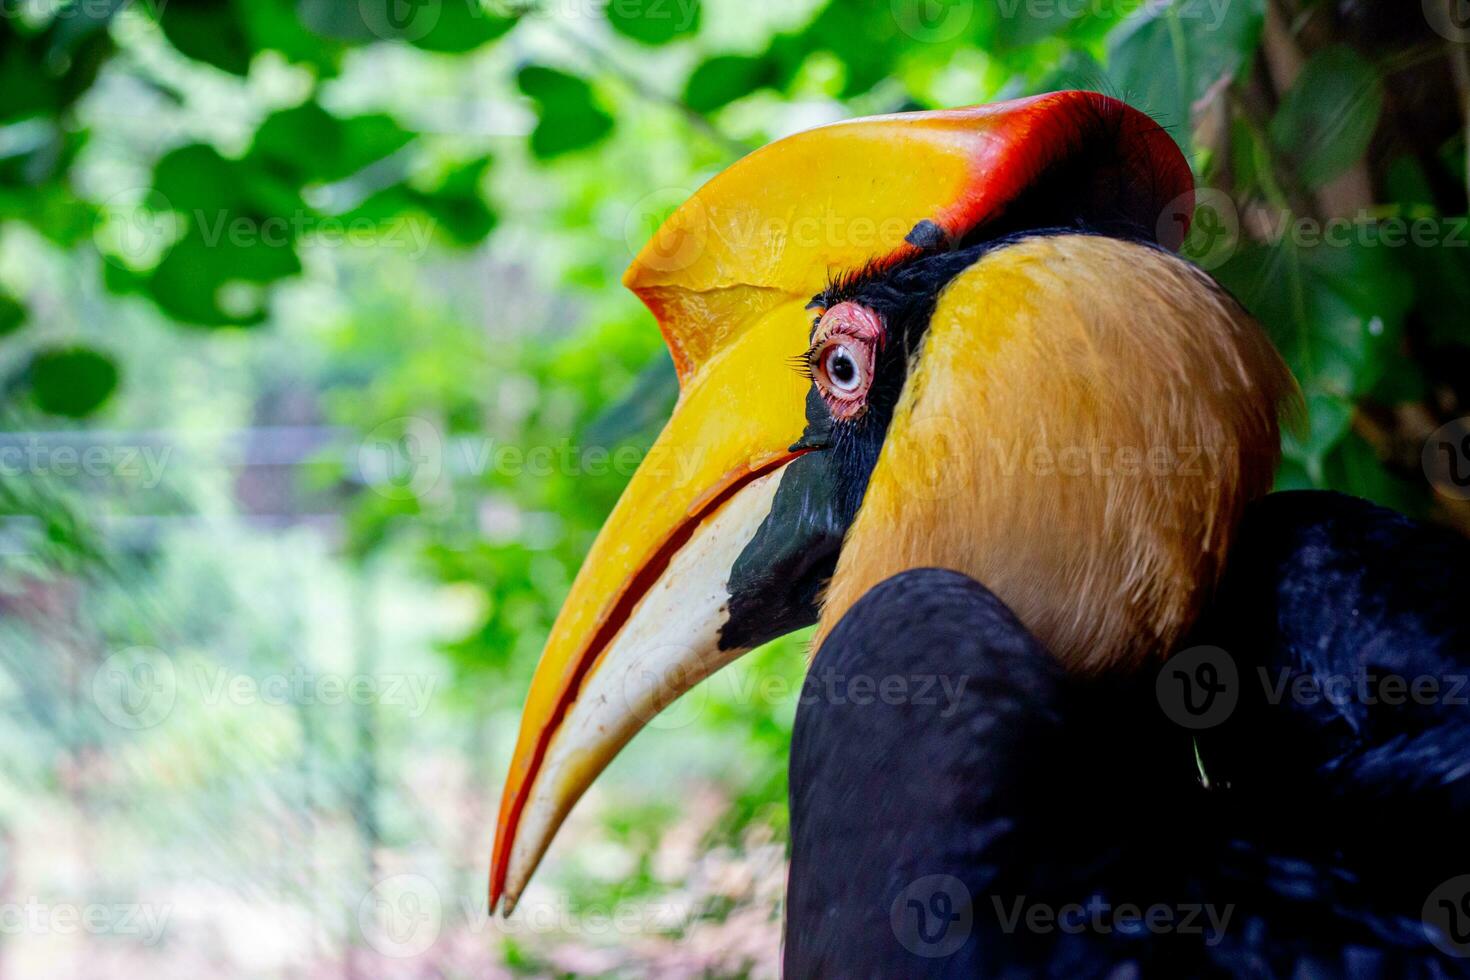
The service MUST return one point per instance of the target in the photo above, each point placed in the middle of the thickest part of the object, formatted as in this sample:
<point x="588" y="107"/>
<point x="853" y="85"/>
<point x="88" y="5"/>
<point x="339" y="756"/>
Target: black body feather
<point x="1316" y="844"/>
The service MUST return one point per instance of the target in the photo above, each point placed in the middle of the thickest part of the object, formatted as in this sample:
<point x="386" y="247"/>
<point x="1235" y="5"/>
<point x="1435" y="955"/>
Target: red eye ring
<point x="842" y="357"/>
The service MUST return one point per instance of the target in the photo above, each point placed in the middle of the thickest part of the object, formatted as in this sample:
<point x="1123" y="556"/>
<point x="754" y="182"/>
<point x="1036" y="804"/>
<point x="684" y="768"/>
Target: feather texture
<point x="1083" y="425"/>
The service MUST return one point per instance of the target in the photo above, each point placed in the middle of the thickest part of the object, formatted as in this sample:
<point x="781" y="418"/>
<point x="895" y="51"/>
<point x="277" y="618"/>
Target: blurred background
<point x="318" y="380"/>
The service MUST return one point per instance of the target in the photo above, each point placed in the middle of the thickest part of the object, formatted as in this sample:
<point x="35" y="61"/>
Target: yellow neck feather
<point x="1080" y="432"/>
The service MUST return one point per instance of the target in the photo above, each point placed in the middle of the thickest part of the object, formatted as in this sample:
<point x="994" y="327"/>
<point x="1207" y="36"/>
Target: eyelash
<point x="802" y="363"/>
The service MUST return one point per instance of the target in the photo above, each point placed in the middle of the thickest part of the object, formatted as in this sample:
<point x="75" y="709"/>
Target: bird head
<point x="955" y="339"/>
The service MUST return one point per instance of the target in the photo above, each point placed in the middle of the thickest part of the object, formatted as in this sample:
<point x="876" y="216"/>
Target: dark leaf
<point x="1334" y="312"/>
<point x="654" y="21"/>
<point x="461" y="25"/>
<point x="720" y="80"/>
<point x="191" y="283"/>
<point x="642" y="410"/>
<point x="1167" y="57"/>
<point x="71" y="381"/>
<point x="455" y="206"/>
<point x="569" y="118"/>
<point x="1324" y="124"/>
<point x="449" y="26"/>
<point x="210" y="31"/>
<point x="1332" y="309"/>
<point x="12" y="315"/>
<point x="1355" y="468"/>
<point x="312" y="145"/>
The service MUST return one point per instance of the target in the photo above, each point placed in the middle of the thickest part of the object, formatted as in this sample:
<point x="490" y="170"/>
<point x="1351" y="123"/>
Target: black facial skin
<point x="775" y="582"/>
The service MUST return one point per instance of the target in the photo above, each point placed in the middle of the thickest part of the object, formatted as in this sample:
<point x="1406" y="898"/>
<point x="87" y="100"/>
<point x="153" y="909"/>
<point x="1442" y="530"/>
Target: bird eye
<point x="842" y="357"/>
<point x="840" y="367"/>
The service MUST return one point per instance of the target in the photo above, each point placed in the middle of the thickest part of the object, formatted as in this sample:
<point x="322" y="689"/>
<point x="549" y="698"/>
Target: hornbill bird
<point x="946" y="392"/>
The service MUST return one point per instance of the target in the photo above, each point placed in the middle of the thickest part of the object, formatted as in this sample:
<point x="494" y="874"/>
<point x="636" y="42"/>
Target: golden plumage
<point x="1080" y="431"/>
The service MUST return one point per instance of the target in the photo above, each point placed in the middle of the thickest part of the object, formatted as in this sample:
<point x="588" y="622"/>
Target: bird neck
<point x="1080" y="432"/>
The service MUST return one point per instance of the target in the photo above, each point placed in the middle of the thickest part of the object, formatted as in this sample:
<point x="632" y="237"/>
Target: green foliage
<point x="654" y="21"/>
<point x="210" y="31"/>
<point x="722" y="79"/>
<point x="311" y="145"/>
<point x="71" y="381"/>
<point x="570" y="118"/>
<point x="1168" y="57"/>
<point x="1325" y="122"/>
<point x="12" y="315"/>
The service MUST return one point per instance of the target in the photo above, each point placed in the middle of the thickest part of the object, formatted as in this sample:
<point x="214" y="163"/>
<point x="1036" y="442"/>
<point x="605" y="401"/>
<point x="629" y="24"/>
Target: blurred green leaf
<point x="199" y="183"/>
<point x="1327" y="422"/>
<point x="189" y="284"/>
<point x="1438" y="253"/>
<point x="1167" y="57"/>
<point x="82" y="20"/>
<point x="1324" y="124"/>
<point x="1019" y="24"/>
<point x="45" y="72"/>
<point x="643" y="410"/>
<point x="569" y="117"/>
<point x="458" y="205"/>
<point x="282" y="25"/>
<point x="460" y="26"/>
<point x="52" y="210"/>
<point x="312" y="145"/>
<point x="1353" y="467"/>
<point x="12" y="315"/>
<point x="71" y="381"/>
<point x="870" y="36"/>
<point x="241" y="219"/>
<point x="24" y="81"/>
<point x="1332" y="309"/>
<point x="210" y="31"/>
<point x="720" y="80"/>
<point x="446" y="26"/>
<point x="454" y="206"/>
<point x="1076" y="70"/>
<point x="654" y="21"/>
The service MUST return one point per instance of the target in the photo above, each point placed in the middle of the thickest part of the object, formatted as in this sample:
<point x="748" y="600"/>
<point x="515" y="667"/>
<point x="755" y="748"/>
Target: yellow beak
<point x="729" y="277"/>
